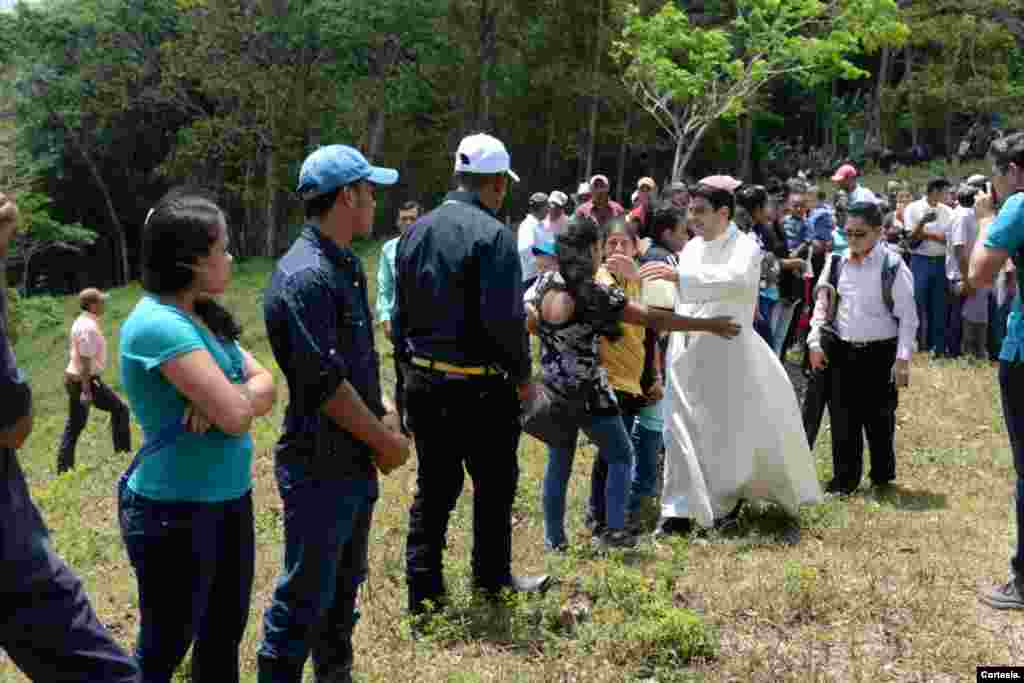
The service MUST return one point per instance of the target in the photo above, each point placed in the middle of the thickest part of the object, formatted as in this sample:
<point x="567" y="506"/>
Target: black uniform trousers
<point x="460" y="422"/>
<point x="863" y="400"/>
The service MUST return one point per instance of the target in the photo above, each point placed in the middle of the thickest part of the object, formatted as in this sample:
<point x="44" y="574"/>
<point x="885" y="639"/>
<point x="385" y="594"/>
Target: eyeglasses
<point x="857" y="234"/>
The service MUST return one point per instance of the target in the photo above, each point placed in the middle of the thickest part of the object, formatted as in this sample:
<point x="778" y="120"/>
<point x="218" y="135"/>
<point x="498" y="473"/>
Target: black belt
<point x="868" y="344"/>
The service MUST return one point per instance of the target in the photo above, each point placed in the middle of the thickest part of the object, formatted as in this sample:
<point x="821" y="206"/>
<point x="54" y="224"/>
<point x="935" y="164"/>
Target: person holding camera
<point x="930" y="222"/>
<point x="863" y="328"/>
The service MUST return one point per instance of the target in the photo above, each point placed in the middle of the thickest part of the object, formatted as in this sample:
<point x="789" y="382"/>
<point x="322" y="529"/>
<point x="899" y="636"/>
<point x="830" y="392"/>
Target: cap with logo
<point x="334" y="166"/>
<point x="484" y="154"/>
<point x="558" y="198"/>
<point x="845" y="172"/>
<point x="599" y="179"/>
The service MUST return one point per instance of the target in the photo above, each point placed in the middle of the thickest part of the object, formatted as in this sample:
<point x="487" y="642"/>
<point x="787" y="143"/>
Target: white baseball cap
<point x="484" y="154"/>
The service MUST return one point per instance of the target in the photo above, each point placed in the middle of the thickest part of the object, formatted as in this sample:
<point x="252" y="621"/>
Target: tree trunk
<point x="595" y="101"/>
<point x="549" y="149"/>
<point x="685" y="149"/>
<point x="744" y="146"/>
<point x="884" y="70"/>
<point x="120" y="278"/>
<point x="270" y="249"/>
<point x="624" y="149"/>
<point x="914" y="131"/>
<point x="488" y="61"/>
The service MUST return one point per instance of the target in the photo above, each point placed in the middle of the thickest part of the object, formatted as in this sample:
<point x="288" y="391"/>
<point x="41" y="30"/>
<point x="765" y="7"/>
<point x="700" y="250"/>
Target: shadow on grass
<point x="909" y="499"/>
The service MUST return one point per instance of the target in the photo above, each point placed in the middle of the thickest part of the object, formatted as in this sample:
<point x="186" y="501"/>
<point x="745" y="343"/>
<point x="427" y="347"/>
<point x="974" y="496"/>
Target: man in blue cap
<point x="337" y="433"/>
<point x="459" y="328"/>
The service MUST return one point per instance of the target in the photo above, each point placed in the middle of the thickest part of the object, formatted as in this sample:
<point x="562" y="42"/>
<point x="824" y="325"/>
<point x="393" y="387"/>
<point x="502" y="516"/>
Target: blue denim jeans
<point x="47" y="626"/>
<point x="194" y="567"/>
<point x="614" y="447"/>
<point x="930" y="296"/>
<point x="1011" y="385"/>
<point x="643" y="470"/>
<point x="763" y="320"/>
<point x="326" y="538"/>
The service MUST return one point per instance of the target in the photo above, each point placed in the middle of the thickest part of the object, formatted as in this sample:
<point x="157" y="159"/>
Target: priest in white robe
<point x="733" y="430"/>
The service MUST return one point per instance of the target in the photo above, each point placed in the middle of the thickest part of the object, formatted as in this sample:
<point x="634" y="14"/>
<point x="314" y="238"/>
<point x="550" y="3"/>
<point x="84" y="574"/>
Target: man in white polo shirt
<point x="930" y="223"/>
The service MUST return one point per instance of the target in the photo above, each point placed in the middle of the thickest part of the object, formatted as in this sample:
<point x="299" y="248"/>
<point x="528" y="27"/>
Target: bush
<point x="14" y="314"/>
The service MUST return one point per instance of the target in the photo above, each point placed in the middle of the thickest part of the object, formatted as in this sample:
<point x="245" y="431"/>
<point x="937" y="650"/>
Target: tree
<point x="688" y="76"/>
<point x="40" y="232"/>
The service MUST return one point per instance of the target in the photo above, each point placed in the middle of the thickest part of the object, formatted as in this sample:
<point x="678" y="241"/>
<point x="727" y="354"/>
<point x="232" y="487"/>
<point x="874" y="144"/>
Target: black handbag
<point x="551" y="418"/>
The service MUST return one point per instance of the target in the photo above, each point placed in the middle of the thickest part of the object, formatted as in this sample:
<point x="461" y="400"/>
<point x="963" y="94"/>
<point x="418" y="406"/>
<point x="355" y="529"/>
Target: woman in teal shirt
<point x="185" y="504"/>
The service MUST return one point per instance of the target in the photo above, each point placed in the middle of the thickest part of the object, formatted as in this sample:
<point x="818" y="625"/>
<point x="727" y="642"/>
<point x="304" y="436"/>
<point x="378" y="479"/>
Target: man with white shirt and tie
<point x="874" y="322"/>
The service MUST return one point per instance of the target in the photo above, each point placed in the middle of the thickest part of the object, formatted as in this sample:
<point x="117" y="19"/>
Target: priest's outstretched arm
<point x="711" y="281"/>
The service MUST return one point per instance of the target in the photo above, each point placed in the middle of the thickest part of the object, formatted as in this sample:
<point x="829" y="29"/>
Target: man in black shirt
<point x="459" y="330"/>
<point x="47" y="626"/>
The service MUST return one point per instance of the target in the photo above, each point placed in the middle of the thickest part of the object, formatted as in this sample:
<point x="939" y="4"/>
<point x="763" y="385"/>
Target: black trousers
<point x="863" y="400"/>
<point x="104" y="398"/>
<point x="47" y="626"/>
<point x="459" y="424"/>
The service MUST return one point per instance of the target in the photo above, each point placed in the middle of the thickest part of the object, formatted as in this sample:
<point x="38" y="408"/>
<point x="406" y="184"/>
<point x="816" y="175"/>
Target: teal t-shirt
<point x="210" y="467"/>
<point x="1007" y="232"/>
<point x="840" y="244"/>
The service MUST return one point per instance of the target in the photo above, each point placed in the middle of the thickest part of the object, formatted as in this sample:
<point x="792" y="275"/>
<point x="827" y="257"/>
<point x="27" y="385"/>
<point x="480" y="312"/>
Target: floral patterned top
<point x="570" y="355"/>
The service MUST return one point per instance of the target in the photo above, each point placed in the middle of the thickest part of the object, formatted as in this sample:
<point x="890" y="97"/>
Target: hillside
<point x="876" y="589"/>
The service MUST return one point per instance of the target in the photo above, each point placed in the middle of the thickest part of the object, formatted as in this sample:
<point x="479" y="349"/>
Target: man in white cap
<point x="846" y="179"/>
<point x="460" y="331"/>
<point x="582" y="194"/>
<point x="600" y="207"/>
<point x="554" y="223"/>
<point x="733" y="429"/>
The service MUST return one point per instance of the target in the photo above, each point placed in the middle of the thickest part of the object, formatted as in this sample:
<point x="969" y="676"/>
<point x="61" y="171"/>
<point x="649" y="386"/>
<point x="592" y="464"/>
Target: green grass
<point x="876" y="589"/>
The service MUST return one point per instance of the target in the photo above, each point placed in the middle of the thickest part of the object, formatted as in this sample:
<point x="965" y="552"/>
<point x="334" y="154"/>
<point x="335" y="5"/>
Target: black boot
<point x="273" y="670"/>
<point x="332" y="648"/>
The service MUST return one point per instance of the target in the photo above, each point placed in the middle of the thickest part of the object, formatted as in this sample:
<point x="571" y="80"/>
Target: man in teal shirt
<point x="407" y="215"/>
<point x="999" y="240"/>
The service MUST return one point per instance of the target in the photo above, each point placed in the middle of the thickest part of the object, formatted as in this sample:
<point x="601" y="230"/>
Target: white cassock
<point x="732" y="423"/>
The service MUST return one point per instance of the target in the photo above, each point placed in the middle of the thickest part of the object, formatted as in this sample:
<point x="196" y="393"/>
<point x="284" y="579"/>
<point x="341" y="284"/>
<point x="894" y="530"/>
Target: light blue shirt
<point x="386" y="280"/>
<point x="210" y="467"/>
<point x="840" y="243"/>
<point x="1007" y="232"/>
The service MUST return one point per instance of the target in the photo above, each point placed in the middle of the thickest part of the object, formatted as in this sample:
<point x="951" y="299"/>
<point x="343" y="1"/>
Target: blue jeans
<point x="326" y="537"/>
<point x="930" y="296"/>
<point x="614" y="447"/>
<point x="644" y="470"/>
<point x="47" y="626"/>
<point x="954" y="321"/>
<point x="194" y="567"/>
<point x="763" y="321"/>
<point x="1011" y="385"/>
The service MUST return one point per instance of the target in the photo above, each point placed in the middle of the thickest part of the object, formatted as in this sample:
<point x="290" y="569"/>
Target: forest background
<point x="105" y="104"/>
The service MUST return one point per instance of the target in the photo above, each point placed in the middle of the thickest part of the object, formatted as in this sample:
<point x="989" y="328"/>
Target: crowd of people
<point x="663" y="332"/>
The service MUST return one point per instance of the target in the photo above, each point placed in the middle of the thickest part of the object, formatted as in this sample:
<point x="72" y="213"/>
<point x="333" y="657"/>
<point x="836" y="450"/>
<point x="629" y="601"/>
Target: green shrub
<point x="14" y="314"/>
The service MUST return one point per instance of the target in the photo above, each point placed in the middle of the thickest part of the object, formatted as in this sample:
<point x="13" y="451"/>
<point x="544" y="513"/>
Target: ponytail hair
<point x="181" y="228"/>
<point x="576" y="266"/>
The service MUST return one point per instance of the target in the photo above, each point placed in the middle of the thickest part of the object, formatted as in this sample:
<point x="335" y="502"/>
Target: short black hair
<point x="965" y="195"/>
<point x="752" y="197"/>
<point x="868" y="211"/>
<point x="716" y="197"/>
<point x="410" y="205"/>
<point x="475" y="181"/>
<point x="664" y="216"/>
<point x="938" y="185"/>
<point x="318" y="206"/>
<point x="1006" y="150"/>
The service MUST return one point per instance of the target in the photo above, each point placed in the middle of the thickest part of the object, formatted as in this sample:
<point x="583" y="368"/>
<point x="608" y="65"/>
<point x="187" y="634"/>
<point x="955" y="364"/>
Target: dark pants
<point x="47" y="626"/>
<point x="104" y="398"/>
<point x="326" y="539"/>
<point x="816" y="399"/>
<point x="954" y="321"/>
<point x="194" y="567"/>
<point x="863" y="399"/>
<point x="630" y="407"/>
<point x="930" y="296"/>
<point x="470" y="423"/>
<point x="1011" y="384"/>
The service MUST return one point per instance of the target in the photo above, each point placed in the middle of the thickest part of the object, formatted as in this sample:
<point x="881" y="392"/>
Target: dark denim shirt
<point x="321" y="331"/>
<point x="459" y="290"/>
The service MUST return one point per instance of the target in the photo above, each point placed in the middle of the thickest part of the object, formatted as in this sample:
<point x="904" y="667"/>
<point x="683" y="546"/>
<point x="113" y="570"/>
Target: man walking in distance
<point x="47" y="626"/>
<point x="337" y="434"/>
<point x="875" y="319"/>
<point x="460" y="330"/>
<point x="999" y="240"/>
<point x="88" y="351"/>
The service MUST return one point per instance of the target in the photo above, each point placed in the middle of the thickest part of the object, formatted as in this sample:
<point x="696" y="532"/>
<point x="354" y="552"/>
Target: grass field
<point x="877" y="589"/>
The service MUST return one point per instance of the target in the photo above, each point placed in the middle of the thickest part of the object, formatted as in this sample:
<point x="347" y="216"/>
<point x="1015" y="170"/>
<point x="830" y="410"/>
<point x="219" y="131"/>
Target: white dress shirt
<point x="862" y="194"/>
<point x="862" y="315"/>
<point x="527" y="237"/>
<point x="963" y="233"/>
<point x="943" y="224"/>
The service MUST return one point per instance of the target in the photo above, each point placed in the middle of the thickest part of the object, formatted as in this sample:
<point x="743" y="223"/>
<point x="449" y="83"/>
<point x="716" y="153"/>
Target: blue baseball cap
<point x="334" y="166"/>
